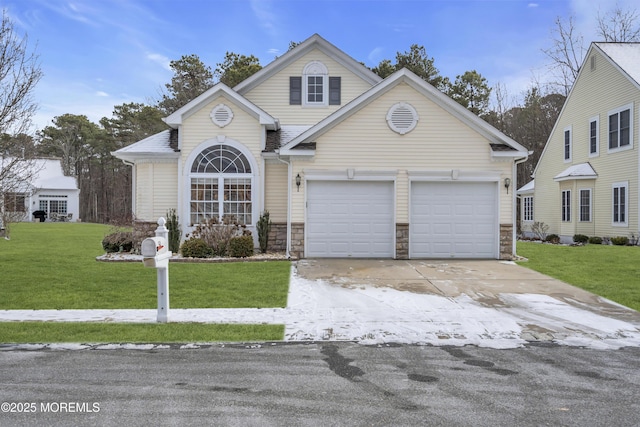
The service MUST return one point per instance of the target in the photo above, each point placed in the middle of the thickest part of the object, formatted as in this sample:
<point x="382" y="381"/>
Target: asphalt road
<point x="321" y="384"/>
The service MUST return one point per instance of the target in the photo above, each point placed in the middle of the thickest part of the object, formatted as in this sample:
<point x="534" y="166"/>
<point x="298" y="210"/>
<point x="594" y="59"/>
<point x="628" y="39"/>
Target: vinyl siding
<point x="272" y="95"/>
<point x="440" y="142"/>
<point x="276" y="191"/>
<point x="596" y="92"/>
<point x="156" y="190"/>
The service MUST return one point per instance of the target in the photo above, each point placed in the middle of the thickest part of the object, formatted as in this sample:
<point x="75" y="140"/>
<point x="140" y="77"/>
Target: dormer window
<point x="314" y="87"/>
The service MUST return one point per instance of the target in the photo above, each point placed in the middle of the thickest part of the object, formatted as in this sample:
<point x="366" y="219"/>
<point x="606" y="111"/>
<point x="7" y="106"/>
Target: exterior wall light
<point x="298" y="181"/>
<point x="507" y="184"/>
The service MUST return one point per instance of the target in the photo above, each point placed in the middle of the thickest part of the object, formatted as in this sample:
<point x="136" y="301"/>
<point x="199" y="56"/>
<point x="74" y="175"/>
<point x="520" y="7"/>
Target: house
<point x="587" y="180"/>
<point x="50" y="191"/>
<point x="347" y="164"/>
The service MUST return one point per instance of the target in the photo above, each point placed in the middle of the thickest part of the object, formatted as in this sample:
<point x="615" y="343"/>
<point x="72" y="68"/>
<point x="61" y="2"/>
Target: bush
<point x="263" y="228"/>
<point x="540" y="230"/>
<point x="119" y="241"/>
<point x="175" y="232"/>
<point x="217" y="234"/>
<point x="553" y="238"/>
<point x="241" y="246"/>
<point x="196" y="248"/>
<point x="580" y="238"/>
<point x="595" y="240"/>
<point x="620" y="240"/>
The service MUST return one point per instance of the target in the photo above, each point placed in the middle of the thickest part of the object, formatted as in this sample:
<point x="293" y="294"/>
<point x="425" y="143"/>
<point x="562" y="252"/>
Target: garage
<point x="453" y="220"/>
<point x="350" y="219"/>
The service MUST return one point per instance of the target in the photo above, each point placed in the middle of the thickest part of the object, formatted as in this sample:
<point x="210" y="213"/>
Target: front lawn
<point x="53" y="266"/>
<point x="609" y="271"/>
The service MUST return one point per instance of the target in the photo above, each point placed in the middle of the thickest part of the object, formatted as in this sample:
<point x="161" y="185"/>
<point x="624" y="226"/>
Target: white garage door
<point x="350" y="219"/>
<point x="453" y="219"/>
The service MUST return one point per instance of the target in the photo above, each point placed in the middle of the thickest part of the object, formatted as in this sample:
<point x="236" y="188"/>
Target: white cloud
<point x="266" y="17"/>
<point x="375" y="54"/>
<point x="102" y="94"/>
<point x="533" y="5"/>
<point x="160" y="59"/>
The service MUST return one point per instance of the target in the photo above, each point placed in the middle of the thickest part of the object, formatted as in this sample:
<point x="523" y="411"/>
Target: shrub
<point x="118" y="241"/>
<point x="241" y="246"/>
<point x="595" y="240"/>
<point x="540" y="230"/>
<point x="175" y="232"/>
<point x="580" y="238"/>
<point x="263" y="228"/>
<point x="195" y="248"/>
<point x="553" y="238"/>
<point x="620" y="240"/>
<point x="217" y="234"/>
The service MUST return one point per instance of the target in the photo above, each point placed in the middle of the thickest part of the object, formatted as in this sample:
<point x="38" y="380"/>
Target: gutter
<point x="515" y="200"/>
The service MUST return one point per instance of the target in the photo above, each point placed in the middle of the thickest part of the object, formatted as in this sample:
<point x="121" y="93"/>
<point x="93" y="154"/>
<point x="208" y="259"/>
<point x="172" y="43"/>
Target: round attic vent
<point x="402" y="118"/>
<point x="221" y="115"/>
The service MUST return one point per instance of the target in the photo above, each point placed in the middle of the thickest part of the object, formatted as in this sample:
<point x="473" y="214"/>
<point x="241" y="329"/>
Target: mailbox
<point x="155" y="252"/>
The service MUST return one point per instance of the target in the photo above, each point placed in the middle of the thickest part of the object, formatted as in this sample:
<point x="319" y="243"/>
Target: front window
<point x="567" y="145"/>
<point x="527" y="214"/>
<point x="315" y="89"/>
<point x="315" y="77"/>
<point x="620" y="191"/>
<point x="566" y="206"/>
<point x="620" y="128"/>
<point x="221" y="183"/>
<point x="585" y="205"/>
<point x="594" y="140"/>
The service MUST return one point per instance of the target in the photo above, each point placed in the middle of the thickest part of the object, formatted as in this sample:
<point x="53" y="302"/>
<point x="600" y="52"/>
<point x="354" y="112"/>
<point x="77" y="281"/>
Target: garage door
<point x="453" y="219"/>
<point x="350" y="219"/>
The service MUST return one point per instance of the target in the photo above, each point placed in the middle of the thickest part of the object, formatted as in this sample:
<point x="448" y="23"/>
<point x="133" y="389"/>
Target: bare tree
<point x="19" y="74"/>
<point x="619" y="25"/>
<point x="566" y="54"/>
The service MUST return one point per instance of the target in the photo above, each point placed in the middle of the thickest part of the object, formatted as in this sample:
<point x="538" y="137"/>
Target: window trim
<point x="527" y="209"/>
<point x="567" y="144"/>
<point x="595" y="153"/>
<point x="566" y="205"/>
<point x="315" y="69"/>
<point x="581" y="206"/>
<point x="631" y="120"/>
<point x="616" y="186"/>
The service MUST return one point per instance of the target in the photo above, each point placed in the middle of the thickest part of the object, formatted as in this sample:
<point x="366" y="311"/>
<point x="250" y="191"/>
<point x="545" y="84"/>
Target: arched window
<point x="315" y="86"/>
<point x="221" y="182"/>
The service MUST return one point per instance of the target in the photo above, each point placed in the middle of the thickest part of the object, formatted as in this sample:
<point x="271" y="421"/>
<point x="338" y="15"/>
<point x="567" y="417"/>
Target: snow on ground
<point x="319" y="310"/>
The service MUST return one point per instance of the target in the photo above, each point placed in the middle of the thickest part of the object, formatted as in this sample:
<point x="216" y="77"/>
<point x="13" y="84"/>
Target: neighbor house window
<point x="566" y="206"/>
<point x="619" y="203"/>
<point x="585" y="205"/>
<point x="527" y="208"/>
<point x="621" y="128"/>
<point x="14" y="202"/>
<point x="567" y="144"/>
<point x="53" y="204"/>
<point x="221" y="182"/>
<point x="594" y="138"/>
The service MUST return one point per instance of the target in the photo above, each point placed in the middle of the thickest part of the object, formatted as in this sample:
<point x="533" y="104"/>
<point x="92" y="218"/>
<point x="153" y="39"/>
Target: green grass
<point x="609" y="271"/>
<point x="38" y="332"/>
<point x="53" y="266"/>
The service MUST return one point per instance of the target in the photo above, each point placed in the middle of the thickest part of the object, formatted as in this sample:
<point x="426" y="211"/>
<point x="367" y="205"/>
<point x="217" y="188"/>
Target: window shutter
<point x="295" y="90"/>
<point x="334" y="90"/>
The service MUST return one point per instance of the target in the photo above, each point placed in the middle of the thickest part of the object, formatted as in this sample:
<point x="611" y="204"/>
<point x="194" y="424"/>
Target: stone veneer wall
<point x="142" y="230"/>
<point x="506" y="241"/>
<point x="402" y="241"/>
<point x="297" y="240"/>
<point x="278" y="237"/>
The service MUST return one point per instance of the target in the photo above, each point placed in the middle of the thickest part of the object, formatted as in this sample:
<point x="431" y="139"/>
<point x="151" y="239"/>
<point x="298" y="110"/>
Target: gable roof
<point x="313" y="42"/>
<point x="625" y="56"/>
<point x="501" y="145"/>
<point x="175" y="119"/>
<point x="50" y="176"/>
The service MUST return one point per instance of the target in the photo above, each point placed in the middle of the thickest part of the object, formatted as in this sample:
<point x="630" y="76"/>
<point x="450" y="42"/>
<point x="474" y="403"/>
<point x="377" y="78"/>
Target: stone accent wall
<point x="506" y="241"/>
<point x="142" y="230"/>
<point x="402" y="241"/>
<point x="278" y="237"/>
<point x="297" y="240"/>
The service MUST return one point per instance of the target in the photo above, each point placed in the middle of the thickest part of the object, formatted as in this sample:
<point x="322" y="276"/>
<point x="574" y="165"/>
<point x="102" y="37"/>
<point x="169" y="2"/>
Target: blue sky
<point x="96" y="54"/>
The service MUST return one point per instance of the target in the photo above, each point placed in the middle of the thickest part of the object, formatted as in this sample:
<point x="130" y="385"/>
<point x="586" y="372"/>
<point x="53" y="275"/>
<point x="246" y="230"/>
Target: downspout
<point x="289" y="177"/>
<point x="133" y="186"/>
<point x="515" y="200"/>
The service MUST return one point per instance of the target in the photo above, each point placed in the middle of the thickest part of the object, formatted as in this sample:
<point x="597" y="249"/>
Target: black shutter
<point x="334" y="90"/>
<point x="295" y="90"/>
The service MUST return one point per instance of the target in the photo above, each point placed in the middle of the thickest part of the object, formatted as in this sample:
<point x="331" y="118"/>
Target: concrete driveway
<point x="471" y="301"/>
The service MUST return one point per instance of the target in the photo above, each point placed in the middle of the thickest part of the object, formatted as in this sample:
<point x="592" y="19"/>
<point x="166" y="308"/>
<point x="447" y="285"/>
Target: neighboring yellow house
<point x="587" y="181"/>
<point x="347" y="164"/>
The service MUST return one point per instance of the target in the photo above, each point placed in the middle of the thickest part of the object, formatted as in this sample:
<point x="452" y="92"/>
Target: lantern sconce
<point x="298" y="181"/>
<point x="507" y="184"/>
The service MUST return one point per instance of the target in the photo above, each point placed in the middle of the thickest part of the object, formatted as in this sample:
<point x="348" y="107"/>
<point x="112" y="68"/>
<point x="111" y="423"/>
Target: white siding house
<point x="347" y="164"/>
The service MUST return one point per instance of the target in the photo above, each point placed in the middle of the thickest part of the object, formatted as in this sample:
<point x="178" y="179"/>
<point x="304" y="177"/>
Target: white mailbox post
<point x="156" y="253"/>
